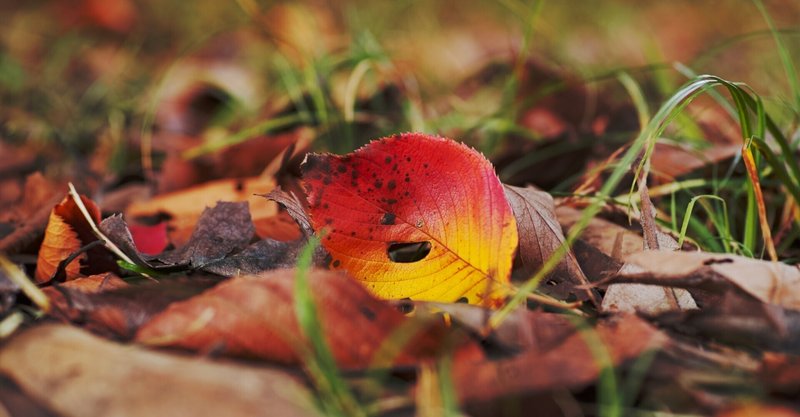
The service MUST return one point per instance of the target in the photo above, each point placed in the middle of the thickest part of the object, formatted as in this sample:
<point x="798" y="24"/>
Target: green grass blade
<point x="337" y="397"/>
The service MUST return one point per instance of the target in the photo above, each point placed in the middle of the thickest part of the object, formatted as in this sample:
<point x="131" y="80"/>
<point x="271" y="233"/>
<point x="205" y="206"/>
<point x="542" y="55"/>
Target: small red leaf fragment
<point x="150" y="240"/>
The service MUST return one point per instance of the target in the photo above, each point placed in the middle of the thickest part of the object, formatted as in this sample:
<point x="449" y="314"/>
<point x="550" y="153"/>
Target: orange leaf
<point x="183" y="208"/>
<point x="254" y="316"/>
<point x="66" y="232"/>
<point x="415" y="216"/>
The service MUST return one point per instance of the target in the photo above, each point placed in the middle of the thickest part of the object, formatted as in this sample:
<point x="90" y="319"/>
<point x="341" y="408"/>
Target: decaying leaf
<point x="539" y="237"/>
<point x="565" y="361"/>
<point x="605" y="246"/>
<point x="184" y="208"/>
<point x="415" y="216"/>
<point x="109" y="307"/>
<point x="220" y="244"/>
<point x="87" y="376"/>
<point x="254" y="316"/>
<point x="770" y="282"/>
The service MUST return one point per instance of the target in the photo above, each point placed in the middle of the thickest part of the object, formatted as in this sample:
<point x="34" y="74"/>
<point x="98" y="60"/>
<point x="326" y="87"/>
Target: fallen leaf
<point x="222" y="230"/>
<point x="111" y="308"/>
<point x="67" y="231"/>
<point x="220" y="244"/>
<point x="254" y="316"/>
<point x="62" y="295"/>
<point x="183" y="208"/>
<point x="151" y="240"/>
<point x="604" y="246"/>
<point x="770" y="282"/>
<point x="87" y="376"/>
<point x="539" y="237"/>
<point x="565" y="362"/>
<point x="737" y="319"/>
<point x="415" y="216"/>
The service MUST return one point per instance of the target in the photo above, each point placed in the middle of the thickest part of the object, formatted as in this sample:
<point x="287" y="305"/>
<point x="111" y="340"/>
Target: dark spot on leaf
<point x="713" y="261"/>
<point x="388" y="159"/>
<point x="239" y="185"/>
<point x="391" y="184"/>
<point x="354" y="174"/>
<point x="378" y="184"/>
<point x="408" y="158"/>
<point x="425" y="166"/>
<point x="405" y="306"/>
<point x="369" y="314"/>
<point x="408" y="252"/>
<point x="388" y="218"/>
<point x="341" y="168"/>
<point x="391" y="201"/>
<point x="394" y="168"/>
<point x="324" y="205"/>
<point x="352" y="233"/>
<point x="327" y="181"/>
<point x="336" y="263"/>
<point x="463" y="300"/>
<point x="328" y="220"/>
<point x="407" y="179"/>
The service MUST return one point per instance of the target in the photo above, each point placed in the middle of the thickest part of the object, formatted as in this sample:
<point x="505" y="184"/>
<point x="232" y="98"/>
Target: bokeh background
<point x="172" y="92"/>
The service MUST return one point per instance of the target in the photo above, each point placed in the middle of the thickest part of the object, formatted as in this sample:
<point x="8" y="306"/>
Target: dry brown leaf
<point x="117" y="310"/>
<point x="88" y="376"/>
<point x="185" y="207"/>
<point x="539" y="237"/>
<point x="609" y="245"/>
<point x="67" y="231"/>
<point x="770" y="282"/>
<point x="63" y="302"/>
<point x="254" y="316"/>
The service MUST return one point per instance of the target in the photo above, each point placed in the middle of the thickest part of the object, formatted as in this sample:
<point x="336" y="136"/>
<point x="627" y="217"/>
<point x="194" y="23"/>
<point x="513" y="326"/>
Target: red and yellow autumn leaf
<point x="434" y="196"/>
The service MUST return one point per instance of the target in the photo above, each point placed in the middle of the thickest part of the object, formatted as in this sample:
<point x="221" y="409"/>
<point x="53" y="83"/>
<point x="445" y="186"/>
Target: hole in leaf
<point x="408" y="252"/>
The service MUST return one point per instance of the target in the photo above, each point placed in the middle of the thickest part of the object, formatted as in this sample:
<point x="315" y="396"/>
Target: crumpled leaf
<point x="601" y="252"/>
<point x="220" y="244"/>
<point x="87" y="376"/>
<point x="222" y="230"/>
<point x="414" y="216"/>
<point x="67" y="231"/>
<point x="770" y="282"/>
<point x="539" y="237"/>
<point x="183" y="209"/>
<point x="254" y="316"/>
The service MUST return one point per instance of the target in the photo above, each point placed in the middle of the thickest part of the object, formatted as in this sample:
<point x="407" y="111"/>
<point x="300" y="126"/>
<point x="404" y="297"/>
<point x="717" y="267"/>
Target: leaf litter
<point x="219" y="326"/>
